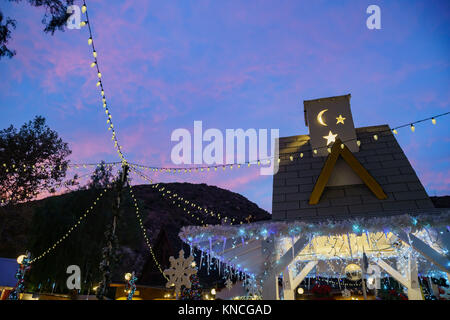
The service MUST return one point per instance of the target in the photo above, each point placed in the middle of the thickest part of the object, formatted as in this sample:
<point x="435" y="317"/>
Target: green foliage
<point x="102" y="176"/>
<point x="55" y="18"/>
<point x="35" y="144"/>
<point x="5" y="35"/>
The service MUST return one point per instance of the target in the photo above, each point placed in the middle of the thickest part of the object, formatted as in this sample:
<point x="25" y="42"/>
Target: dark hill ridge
<point x="158" y="213"/>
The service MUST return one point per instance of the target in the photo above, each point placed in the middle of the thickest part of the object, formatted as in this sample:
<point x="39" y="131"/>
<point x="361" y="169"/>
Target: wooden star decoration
<point x="340" y="119"/>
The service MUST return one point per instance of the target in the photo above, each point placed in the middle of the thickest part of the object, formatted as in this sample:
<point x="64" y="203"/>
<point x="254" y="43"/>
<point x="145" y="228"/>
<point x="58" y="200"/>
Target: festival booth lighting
<point x="350" y="207"/>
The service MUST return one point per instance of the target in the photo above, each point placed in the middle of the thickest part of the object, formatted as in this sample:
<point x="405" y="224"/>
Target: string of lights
<point x="33" y="194"/>
<point x="13" y="168"/>
<point x="72" y="228"/>
<point x="99" y="84"/>
<point x="163" y="193"/>
<point x="144" y="233"/>
<point x="186" y="204"/>
<point x="286" y="155"/>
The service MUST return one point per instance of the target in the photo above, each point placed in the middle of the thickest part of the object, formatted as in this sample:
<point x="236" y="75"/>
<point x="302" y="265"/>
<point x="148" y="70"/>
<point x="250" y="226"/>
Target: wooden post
<point x="109" y="250"/>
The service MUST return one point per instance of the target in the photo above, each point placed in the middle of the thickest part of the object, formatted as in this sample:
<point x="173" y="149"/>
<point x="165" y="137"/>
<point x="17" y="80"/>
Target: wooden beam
<point x="302" y="275"/>
<point x="394" y="273"/>
<point x="281" y="264"/>
<point x="363" y="173"/>
<point x="442" y="262"/>
<point x="329" y="165"/>
<point x="325" y="174"/>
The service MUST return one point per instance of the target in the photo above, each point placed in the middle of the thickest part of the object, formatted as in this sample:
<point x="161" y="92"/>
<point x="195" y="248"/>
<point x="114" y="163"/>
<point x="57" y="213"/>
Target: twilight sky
<point x="232" y="64"/>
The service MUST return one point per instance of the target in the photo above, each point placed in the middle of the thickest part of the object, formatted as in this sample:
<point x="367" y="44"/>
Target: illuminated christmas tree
<point x="195" y="292"/>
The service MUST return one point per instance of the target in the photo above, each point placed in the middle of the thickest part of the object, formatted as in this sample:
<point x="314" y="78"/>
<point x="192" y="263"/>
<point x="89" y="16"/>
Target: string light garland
<point x="168" y="194"/>
<point x="65" y="184"/>
<point x="287" y="155"/>
<point x="183" y="202"/>
<point x="205" y="169"/>
<point x="144" y="233"/>
<point x="99" y="85"/>
<point x="72" y="228"/>
<point x="13" y="168"/>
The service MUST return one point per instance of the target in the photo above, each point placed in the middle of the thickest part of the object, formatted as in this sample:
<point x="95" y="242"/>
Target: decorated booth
<point x="347" y="205"/>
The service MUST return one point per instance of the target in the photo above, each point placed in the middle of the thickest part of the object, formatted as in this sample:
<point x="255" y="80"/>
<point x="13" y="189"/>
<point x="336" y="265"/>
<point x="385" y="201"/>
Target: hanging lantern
<point x="353" y="272"/>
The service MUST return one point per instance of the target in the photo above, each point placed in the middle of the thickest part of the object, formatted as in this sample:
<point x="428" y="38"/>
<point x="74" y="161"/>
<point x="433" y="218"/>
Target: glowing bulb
<point x="93" y="64"/>
<point x="394" y="131"/>
<point x="433" y="120"/>
<point x="413" y="128"/>
<point x="315" y="151"/>
<point x="94" y="54"/>
<point x="358" y="143"/>
<point x="342" y="146"/>
<point x="279" y="160"/>
<point x="375" y="137"/>
<point x="20" y="258"/>
<point x="83" y="8"/>
<point x="98" y="83"/>
<point x="82" y="23"/>
<point x="89" y="41"/>
<point x="213" y="291"/>
<point x="300" y="291"/>
<point x="329" y="150"/>
<point x="291" y="158"/>
<point x="99" y="75"/>
<point x="301" y="155"/>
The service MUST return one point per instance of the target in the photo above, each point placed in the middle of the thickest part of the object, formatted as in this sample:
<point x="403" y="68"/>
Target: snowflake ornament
<point x="346" y="293"/>
<point x="180" y="272"/>
<point x="229" y="284"/>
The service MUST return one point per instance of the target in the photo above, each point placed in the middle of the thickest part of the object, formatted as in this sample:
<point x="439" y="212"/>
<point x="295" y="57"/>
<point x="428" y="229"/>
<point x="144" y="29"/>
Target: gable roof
<point x="351" y="160"/>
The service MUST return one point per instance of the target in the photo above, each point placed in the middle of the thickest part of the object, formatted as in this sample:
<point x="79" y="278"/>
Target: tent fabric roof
<point x="242" y="246"/>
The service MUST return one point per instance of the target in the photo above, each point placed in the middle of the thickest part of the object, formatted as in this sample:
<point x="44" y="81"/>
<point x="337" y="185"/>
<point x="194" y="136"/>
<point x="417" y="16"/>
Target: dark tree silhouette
<point x="32" y="160"/>
<point x="55" y="18"/>
<point x="101" y="177"/>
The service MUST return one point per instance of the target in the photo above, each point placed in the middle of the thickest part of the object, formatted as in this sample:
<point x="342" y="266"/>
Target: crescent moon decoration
<point x="319" y="117"/>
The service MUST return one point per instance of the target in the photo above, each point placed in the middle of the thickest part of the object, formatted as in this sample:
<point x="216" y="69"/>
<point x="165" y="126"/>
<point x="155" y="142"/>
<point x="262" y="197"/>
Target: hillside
<point x="35" y="224"/>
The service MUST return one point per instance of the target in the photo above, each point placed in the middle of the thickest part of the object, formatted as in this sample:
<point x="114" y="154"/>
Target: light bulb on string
<point x="413" y="128"/>
<point x="433" y="120"/>
<point x="394" y="131"/>
<point x="83" y="8"/>
<point x="89" y="41"/>
<point x="94" y="53"/>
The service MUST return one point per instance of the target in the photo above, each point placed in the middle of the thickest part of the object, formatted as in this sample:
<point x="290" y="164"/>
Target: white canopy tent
<point x="264" y="250"/>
